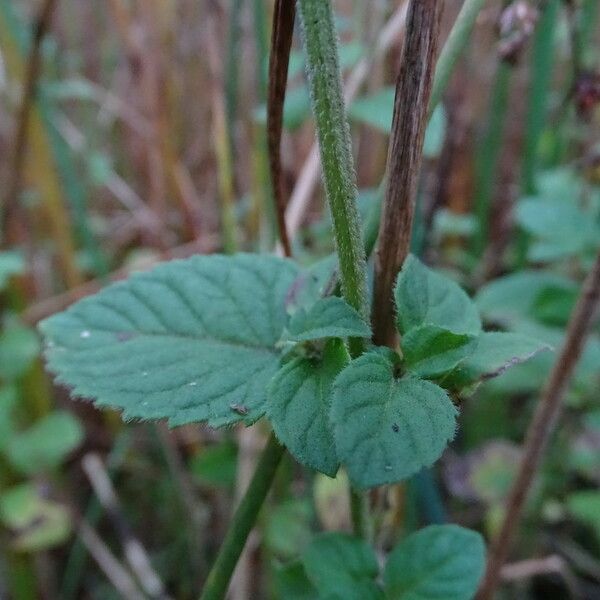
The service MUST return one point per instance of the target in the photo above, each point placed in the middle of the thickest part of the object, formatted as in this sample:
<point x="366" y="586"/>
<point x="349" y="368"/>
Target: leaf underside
<point x="190" y="341"/>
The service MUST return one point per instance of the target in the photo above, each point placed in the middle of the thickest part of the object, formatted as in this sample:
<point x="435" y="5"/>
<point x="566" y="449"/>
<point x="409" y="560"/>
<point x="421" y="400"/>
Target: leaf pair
<point x="440" y="561"/>
<point x="443" y="338"/>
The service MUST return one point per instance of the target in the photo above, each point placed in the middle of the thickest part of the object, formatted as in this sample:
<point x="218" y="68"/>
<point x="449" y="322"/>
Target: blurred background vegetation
<point x="133" y="131"/>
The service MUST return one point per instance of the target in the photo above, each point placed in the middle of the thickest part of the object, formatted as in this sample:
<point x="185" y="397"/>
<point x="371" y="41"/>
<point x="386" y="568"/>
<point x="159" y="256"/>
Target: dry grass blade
<point x="29" y="88"/>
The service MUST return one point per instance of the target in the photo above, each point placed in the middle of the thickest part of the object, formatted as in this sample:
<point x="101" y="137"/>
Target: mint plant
<point x="220" y="340"/>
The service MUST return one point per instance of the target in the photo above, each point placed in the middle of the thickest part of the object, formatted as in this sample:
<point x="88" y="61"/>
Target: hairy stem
<point x="281" y="42"/>
<point x="542" y="425"/>
<point x="321" y="46"/>
<point x="413" y="91"/>
<point x="243" y="521"/>
<point x="339" y="177"/>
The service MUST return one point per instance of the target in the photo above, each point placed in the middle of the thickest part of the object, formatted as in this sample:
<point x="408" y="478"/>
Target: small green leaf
<point x="440" y="562"/>
<point x="37" y="523"/>
<point x="584" y="506"/>
<point x="8" y="424"/>
<point x="298" y="407"/>
<point x="46" y="444"/>
<point x="424" y="297"/>
<point x="508" y="299"/>
<point x="562" y="228"/>
<point x="216" y="465"/>
<point x="494" y="352"/>
<point x="388" y="429"/>
<point x="19" y="346"/>
<point x="430" y="351"/>
<point x="377" y="110"/>
<point x="341" y="566"/>
<point x="191" y="340"/>
<point x="287" y="530"/>
<point x="11" y="263"/>
<point x="330" y="317"/>
<point x="293" y="584"/>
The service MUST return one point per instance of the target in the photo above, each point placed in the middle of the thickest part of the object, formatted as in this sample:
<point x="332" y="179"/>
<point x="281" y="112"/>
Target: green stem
<point x="489" y="154"/>
<point x="243" y="521"/>
<point x="339" y="176"/>
<point x="541" y="75"/>
<point x="360" y="514"/>
<point x="455" y="44"/>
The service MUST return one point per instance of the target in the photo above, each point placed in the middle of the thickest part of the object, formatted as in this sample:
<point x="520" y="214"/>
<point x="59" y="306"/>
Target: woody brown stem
<point x="413" y="91"/>
<point x="279" y="59"/>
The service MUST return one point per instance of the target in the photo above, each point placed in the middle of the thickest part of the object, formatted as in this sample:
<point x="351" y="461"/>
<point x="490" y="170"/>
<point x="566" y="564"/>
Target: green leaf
<point x="288" y="528"/>
<point x="216" y="465"/>
<point x="293" y="584"/>
<point x="11" y="263"/>
<point x="584" y="506"/>
<point x="312" y="283"/>
<point x="46" y="444"/>
<point x="430" y="351"/>
<point x="493" y="353"/>
<point x="341" y="566"/>
<point x="440" y="562"/>
<point x="387" y="429"/>
<point x="560" y="226"/>
<point x="296" y="109"/>
<point x="377" y="110"/>
<point x="19" y="346"/>
<point x="424" y="297"/>
<point x="298" y="407"/>
<point x="37" y="523"/>
<point x="507" y="299"/>
<point x="8" y="424"/>
<point x="191" y="340"/>
<point x="330" y="317"/>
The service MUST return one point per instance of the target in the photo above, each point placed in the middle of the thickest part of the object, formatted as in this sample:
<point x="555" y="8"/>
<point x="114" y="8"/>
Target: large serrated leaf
<point x="342" y="567"/>
<point x="386" y="429"/>
<point x="299" y="398"/>
<point x="424" y="297"/>
<point x="327" y="318"/>
<point x="430" y="351"/>
<point x="191" y="340"/>
<point x="440" y="562"/>
<point x="494" y="353"/>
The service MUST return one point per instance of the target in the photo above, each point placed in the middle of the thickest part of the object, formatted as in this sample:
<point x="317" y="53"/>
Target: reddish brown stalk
<point x="41" y="26"/>
<point x="281" y="43"/>
<point x="413" y="91"/>
<point x="542" y="425"/>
